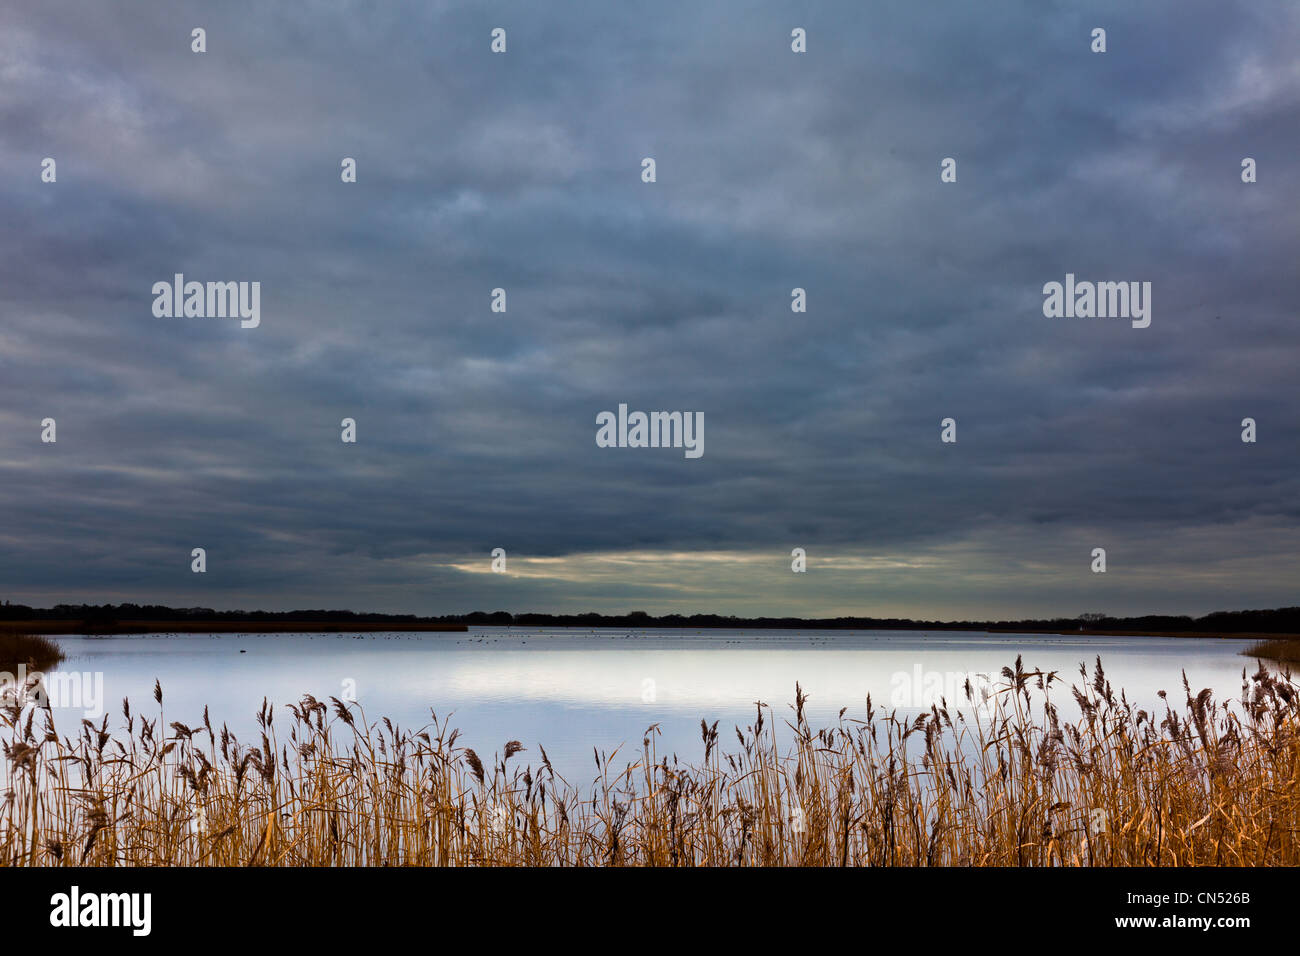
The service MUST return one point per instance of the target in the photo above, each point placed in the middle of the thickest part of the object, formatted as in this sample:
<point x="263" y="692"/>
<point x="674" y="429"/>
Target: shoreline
<point x="327" y="627"/>
<point x="215" y="627"/>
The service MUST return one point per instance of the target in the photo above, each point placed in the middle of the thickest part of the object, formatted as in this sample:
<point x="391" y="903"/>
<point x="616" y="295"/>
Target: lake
<point x="570" y="690"/>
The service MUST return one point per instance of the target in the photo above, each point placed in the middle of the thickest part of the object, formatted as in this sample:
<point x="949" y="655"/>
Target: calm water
<point x="571" y="690"/>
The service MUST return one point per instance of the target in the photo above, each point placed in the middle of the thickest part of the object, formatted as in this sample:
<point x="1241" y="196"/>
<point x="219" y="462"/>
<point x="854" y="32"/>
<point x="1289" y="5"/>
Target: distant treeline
<point x="114" y="613"/>
<point x="1277" y="621"/>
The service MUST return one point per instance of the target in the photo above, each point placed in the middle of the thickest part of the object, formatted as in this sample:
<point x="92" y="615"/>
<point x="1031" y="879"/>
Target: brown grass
<point x="1204" y="783"/>
<point x="1276" y="649"/>
<point x="32" y="650"/>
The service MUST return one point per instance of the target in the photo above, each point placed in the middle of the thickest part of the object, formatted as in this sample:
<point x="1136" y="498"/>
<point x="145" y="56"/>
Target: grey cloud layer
<point x="775" y="170"/>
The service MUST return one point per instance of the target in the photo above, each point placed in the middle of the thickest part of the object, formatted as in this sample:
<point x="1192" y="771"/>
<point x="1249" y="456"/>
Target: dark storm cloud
<point x="775" y="170"/>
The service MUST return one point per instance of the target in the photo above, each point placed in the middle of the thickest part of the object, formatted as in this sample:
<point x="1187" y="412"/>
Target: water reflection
<point x="572" y="690"/>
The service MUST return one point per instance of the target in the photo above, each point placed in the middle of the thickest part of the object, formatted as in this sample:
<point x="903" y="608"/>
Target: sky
<point x="774" y="170"/>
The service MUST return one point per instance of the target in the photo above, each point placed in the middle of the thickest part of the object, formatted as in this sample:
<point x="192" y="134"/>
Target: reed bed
<point x="1284" y="649"/>
<point x="32" y="651"/>
<point x="1008" y="783"/>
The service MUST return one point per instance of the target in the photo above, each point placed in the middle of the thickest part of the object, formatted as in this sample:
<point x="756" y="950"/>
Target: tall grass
<point x="34" y="651"/>
<point x="1285" y="649"/>
<point x="1202" y="783"/>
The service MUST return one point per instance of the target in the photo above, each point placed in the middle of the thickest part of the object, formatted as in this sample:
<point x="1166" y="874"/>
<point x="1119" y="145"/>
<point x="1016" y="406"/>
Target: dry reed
<point x="1284" y="649"/>
<point x="1206" y="783"/>
<point x="33" y="651"/>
